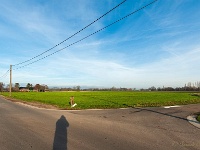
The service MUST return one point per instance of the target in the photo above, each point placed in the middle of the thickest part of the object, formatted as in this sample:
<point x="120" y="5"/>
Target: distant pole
<point x="10" y="80"/>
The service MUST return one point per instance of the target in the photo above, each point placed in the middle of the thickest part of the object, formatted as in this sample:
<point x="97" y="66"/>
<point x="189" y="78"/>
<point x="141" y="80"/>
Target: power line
<point x="73" y="34"/>
<point x="5" y="74"/>
<point x="90" y="34"/>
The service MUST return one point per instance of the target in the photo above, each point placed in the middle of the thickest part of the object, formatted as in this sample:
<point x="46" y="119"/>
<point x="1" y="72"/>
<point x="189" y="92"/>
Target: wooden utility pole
<point x="10" y="80"/>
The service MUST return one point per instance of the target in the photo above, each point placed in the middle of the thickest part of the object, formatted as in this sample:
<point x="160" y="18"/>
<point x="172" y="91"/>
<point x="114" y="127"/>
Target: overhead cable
<point x="90" y="34"/>
<point x="73" y="34"/>
<point x="5" y="74"/>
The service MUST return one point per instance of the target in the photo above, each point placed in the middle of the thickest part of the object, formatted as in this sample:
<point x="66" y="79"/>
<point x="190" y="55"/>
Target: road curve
<point x="24" y="128"/>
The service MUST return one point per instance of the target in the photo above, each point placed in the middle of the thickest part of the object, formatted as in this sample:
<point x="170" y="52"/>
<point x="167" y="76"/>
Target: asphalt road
<point x="25" y="128"/>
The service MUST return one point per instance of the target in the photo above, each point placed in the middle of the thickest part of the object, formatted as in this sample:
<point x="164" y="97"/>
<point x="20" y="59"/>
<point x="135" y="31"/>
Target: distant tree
<point x="159" y="89"/>
<point x="46" y="88"/>
<point x="189" y="84"/>
<point x="142" y="89"/>
<point x="16" y="87"/>
<point x="37" y="87"/>
<point x="113" y="89"/>
<point x="31" y="87"/>
<point x="28" y="85"/>
<point x="152" y="88"/>
<point x="42" y="88"/>
<point x="1" y="86"/>
<point x="8" y="87"/>
<point x="78" y="88"/>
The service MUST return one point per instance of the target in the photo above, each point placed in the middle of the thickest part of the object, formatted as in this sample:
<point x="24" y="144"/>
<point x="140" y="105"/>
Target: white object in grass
<point x="74" y="105"/>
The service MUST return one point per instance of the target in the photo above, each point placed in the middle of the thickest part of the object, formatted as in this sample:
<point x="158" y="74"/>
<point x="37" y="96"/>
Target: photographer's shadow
<point x="60" y="138"/>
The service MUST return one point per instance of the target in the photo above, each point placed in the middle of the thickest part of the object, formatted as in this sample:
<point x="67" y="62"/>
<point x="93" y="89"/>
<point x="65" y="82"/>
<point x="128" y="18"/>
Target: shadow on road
<point x="165" y="114"/>
<point x="60" y="138"/>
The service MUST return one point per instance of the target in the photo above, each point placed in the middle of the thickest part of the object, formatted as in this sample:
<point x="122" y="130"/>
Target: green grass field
<point x="88" y="100"/>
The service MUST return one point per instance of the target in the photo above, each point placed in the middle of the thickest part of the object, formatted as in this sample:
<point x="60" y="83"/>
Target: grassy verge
<point x="198" y="118"/>
<point x="88" y="100"/>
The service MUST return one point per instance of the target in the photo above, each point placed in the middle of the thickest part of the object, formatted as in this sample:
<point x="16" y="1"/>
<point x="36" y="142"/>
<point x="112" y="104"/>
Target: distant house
<point x="24" y="89"/>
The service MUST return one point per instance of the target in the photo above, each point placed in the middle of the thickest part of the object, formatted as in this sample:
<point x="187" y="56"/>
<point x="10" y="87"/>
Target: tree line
<point x="27" y="88"/>
<point x="42" y="88"/>
<point x="187" y="87"/>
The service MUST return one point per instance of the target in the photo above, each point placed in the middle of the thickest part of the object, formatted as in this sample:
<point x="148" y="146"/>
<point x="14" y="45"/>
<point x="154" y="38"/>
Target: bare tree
<point x="16" y="86"/>
<point x="78" y="88"/>
<point x="1" y="86"/>
<point x="8" y="87"/>
<point x="37" y="87"/>
<point x="42" y="88"/>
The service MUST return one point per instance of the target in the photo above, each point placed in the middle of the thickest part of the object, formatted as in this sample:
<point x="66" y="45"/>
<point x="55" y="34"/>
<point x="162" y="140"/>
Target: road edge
<point x="192" y="119"/>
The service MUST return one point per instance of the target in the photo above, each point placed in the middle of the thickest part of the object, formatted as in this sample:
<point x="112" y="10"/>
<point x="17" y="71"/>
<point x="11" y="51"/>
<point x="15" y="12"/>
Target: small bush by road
<point x="198" y="117"/>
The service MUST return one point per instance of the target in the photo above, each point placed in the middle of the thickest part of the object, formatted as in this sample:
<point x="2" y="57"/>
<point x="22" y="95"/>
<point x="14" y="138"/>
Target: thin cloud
<point x="154" y="47"/>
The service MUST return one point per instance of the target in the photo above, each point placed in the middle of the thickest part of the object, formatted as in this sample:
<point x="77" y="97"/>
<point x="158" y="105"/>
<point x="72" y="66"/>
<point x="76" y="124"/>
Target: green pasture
<point x="109" y="99"/>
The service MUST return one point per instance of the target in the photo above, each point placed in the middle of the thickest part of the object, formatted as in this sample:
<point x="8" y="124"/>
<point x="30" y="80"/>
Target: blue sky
<point x="157" y="46"/>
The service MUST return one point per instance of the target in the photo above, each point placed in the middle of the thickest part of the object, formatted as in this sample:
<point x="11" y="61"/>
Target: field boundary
<point x="103" y="100"/>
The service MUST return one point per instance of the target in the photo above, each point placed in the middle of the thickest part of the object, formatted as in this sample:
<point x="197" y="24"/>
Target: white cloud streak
<point x="152" y="48"/>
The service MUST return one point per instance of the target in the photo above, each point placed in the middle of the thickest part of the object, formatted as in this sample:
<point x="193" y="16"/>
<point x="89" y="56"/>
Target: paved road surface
<point x="25" y="128"/>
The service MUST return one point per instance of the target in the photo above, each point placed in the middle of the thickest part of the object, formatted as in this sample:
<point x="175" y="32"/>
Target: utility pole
<point x="10" y="80"/>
